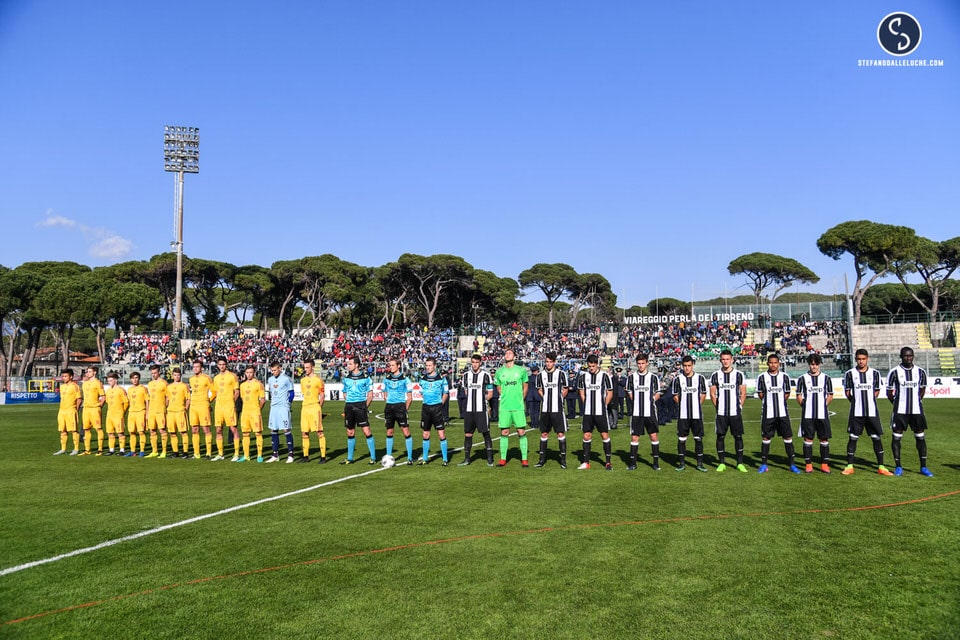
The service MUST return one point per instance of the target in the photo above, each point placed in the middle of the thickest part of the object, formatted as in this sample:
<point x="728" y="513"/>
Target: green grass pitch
<point x="433" y="552"/>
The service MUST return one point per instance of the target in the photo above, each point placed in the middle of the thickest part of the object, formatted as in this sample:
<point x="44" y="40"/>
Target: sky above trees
<point x="617" y="138"/>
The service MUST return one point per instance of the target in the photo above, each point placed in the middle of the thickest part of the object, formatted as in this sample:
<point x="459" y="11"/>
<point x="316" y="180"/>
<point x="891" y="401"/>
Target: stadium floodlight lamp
<point x="181" y="154"/>
<point x="181" y="149"/>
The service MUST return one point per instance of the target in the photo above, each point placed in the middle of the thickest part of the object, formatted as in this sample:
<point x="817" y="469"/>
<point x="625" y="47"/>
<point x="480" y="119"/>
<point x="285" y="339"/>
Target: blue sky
<point x="652" y="144"/>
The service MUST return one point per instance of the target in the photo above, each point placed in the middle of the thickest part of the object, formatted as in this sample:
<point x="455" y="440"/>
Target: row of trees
<point x="878" y="250"/>
<point x="41" y="299"/>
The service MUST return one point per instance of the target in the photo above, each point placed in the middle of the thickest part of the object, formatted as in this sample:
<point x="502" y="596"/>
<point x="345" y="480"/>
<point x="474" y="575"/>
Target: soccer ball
<point x="388" y="461"/>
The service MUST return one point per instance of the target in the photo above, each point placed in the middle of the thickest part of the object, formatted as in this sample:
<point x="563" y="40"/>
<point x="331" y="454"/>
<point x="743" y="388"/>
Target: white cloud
<point x="111" y="246"/>
<point x="101" y="243"/>
<point x="56" y="221"/>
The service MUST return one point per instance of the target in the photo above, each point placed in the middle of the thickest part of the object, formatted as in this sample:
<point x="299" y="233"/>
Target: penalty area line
<point x="182" y="523"/>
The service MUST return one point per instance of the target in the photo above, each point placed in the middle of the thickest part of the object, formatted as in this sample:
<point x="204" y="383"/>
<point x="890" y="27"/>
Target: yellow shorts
<point x="114" y="423"/>
<point x="91" y="417"/>
<point x="136" y="421"/>
<point x="177" y="422"/>
<point x="156" y="421"/>
<point x="310" y="419"/>
<point x="251" y="422"/>
<point x="225" y="416"/>
<point x="67" y="421"/>
<point x="199" y="416"/>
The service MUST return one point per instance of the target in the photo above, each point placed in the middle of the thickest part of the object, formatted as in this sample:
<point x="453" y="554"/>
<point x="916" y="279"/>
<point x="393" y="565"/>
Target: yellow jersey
<point x="251" y="391"/>
<point x="92" y="392"/>
<point x="117" y="402"/>
<point x="137" y="395"/>
<point x="158" y="395"/>
<point x="69" y="394"/>
<point x="312" y="389"/>
<point x="177" y="393"/>
<point x="202" y="390"/>
<point x="225" y="383"/>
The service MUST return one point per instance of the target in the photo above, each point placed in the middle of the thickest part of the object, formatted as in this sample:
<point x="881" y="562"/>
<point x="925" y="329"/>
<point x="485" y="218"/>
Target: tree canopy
<point x="769" y="270"/>
<point x="873" y="247"/>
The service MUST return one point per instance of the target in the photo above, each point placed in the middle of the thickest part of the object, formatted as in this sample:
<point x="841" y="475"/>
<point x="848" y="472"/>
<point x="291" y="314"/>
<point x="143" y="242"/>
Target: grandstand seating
<point x="923" y="336"/>
<point x="948" y="364"/>
<point x="878" y="338"/>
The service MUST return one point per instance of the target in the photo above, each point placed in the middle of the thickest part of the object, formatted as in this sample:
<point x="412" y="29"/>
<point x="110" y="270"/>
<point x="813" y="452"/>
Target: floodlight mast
<point x="181" y="154"/>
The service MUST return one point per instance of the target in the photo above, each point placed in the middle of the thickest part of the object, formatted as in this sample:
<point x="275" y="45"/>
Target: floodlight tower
<point x="181" y="154"/>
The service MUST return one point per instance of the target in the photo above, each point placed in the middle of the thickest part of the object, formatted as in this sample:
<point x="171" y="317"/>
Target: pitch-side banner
<point x="30" y="397"/>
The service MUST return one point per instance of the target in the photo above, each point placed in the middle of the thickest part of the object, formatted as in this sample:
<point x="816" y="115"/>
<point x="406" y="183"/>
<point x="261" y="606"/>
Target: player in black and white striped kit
<point x="862" y="385"/>
<point x="551" y="384"/>
<point x="643" y="389"/>
<point x="728" y="392"/>
<point x="689" y="390"/>
<point x="815" y="393"/>
<point x="479" y="387"/>
<point x="906" y="386"/>
<point x="596" y="392"/>
<point x="773" y="387"/>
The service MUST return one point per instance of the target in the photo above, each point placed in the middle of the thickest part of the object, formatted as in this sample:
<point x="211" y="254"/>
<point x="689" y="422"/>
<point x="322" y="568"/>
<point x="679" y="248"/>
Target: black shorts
<point x="395" y="415"/>
<point x="641" y="424"/>
<point x="901" y="422"/>
<point x="815" y="426"/>
<point x="690" y="425"/>
<point x="732" y="423"/>
<point x="599" y="423"/>
<point x="550" y="420"/>
<point x="431" y="415"/>
<point x="476" y="421"/>
<point x="857" y="423"/>
<point x="355" y="415"/>
<point x="770" y="427"/>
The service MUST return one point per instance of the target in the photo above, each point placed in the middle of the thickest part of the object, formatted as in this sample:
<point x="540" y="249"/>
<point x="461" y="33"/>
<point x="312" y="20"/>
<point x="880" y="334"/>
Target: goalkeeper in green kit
<point x="512" y="383"/>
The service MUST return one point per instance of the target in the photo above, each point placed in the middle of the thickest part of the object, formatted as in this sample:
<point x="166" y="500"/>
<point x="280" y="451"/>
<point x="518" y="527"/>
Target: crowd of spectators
<point x="413" y="345"/>
<point x="143" y="349"/>
<point x="699" y="339"/>
<point x="239" y="346"/>
<point x="795" y="337"/>
<point x="531" y="345"/>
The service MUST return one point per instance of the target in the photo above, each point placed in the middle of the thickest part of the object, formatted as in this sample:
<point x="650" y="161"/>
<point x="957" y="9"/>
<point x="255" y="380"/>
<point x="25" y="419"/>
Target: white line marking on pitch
<point x="148" y="532"/>
<point x="110" y="543"/>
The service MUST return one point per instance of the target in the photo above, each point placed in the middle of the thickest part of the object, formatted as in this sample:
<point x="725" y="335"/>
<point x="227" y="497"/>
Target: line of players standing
<point x="905" y="388"/>
<point x="175" y="409"/>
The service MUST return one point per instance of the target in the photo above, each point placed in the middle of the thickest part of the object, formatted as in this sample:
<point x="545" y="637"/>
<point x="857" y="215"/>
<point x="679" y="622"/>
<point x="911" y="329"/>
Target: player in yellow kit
<point x="251" y="417"/>
<point x="92" y="410"/>
<point x="117" y="404"/>
<point x="157" y="412"/>
<point x="225" y="410"/>
<point x="137" y="418"/>
<point x="70" y="398"/>
<point x="202" y="391"/>
<point x="178" y="399"/>
<point x="311" y="411"/>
